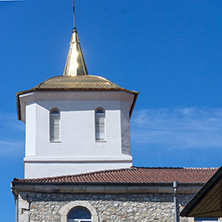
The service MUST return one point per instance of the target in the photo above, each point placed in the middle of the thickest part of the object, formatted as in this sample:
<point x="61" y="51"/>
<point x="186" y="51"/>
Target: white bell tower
<point x="76" y="123"/>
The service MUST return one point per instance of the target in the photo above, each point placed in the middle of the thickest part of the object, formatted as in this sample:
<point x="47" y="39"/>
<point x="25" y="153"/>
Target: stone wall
<point x="46" y="207"/>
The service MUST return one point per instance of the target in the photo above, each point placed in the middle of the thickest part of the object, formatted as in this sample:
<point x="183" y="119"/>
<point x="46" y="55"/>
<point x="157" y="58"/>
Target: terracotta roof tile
<point x="133" y="175"/>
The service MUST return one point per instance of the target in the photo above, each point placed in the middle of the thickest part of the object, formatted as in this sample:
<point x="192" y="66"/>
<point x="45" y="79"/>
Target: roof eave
<point x="102" y="183"/>
<point x="95" y="187"/>
<point x="73" y="89"/>
<point x="134" y="103"/>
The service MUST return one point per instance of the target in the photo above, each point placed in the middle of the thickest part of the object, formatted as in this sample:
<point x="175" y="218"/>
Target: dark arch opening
<point x="79" y="213"/>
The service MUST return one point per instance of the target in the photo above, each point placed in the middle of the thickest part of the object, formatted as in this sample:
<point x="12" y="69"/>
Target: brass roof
<point x="75" y="77"/>
<point x="76" y="83"/>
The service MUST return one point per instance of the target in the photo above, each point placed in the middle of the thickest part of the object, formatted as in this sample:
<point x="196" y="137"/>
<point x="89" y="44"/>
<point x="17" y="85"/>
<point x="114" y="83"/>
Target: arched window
<point x="68" y="212"/>
<point x="79" y="214"/>
<point x="100" y="124"/>
<point x="54" y="125"/>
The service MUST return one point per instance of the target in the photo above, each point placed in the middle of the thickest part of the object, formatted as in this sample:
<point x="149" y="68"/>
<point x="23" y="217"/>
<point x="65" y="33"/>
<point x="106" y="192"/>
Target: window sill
<point x="101" y="141"/>
<point x="55" y="141"/>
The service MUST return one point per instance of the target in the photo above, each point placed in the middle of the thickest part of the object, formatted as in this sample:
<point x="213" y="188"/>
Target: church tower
<point x="75" y="123"/>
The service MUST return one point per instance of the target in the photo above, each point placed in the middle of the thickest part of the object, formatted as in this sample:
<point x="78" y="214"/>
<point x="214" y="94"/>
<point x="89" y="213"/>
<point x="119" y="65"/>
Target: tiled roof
<point x="133" y="175"/>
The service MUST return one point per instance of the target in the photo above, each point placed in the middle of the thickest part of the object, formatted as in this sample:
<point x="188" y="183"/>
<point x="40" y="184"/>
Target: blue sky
<point x="170" y="51"/>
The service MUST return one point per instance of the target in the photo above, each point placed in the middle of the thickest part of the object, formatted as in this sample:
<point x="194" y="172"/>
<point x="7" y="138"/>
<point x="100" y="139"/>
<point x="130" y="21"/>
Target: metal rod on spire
<point x="74" y="15"/>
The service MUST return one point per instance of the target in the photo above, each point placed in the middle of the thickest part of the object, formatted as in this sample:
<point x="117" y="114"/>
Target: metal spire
<point x="75" y="63"/>
<point x="74" y="15"/>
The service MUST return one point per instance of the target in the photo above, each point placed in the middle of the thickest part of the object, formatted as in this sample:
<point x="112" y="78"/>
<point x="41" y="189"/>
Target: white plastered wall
<point x="31" y="130"/>
<point x="78" y="151"/>
<point x="125" y="128"/>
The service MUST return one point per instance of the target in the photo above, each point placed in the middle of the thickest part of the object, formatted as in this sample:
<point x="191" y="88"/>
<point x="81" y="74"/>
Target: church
<point x="78" y="163"/>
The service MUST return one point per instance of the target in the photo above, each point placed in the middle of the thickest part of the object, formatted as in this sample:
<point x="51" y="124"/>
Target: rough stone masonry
<point x="46" y="207"/>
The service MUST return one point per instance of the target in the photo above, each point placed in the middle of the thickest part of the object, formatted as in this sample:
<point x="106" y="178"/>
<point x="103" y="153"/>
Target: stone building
<point x="78" y="163"/>
<point x="132" y="194"/>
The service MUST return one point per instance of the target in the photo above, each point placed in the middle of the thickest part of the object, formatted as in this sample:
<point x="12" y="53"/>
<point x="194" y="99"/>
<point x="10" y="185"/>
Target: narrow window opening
<point x="100" y="124"/>
<point x="54" y="125"/>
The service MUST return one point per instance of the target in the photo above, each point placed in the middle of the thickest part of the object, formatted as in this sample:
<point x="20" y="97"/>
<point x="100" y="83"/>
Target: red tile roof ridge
<point x="193" y="168"/>
<point x="201" y="168"/>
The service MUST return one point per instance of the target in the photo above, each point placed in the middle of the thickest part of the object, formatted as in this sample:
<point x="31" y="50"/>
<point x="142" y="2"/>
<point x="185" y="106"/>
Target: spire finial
<point x="74" y="14"/>
<point x="75" y="63"/>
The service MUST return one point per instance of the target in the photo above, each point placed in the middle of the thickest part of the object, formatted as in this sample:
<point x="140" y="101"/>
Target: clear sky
<point x="168" y="50"/>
